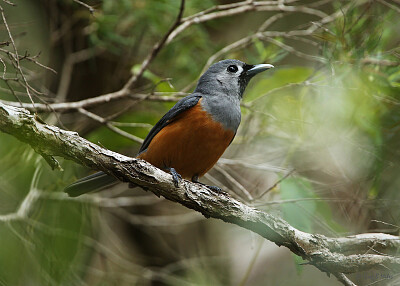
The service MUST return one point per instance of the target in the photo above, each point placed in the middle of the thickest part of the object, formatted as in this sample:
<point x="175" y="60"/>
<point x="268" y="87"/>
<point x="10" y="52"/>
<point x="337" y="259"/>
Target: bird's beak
<point x="258" y="68"/>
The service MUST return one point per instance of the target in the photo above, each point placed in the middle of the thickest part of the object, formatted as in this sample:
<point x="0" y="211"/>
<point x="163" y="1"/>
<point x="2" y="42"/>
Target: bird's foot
<point x="176" y="177"/>
<point x="195" y="179"/>
<point x="213" y="188"/>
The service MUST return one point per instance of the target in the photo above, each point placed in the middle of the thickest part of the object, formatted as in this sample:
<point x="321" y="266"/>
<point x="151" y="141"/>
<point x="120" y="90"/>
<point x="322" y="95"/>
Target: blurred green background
<point x="324" y="124"/>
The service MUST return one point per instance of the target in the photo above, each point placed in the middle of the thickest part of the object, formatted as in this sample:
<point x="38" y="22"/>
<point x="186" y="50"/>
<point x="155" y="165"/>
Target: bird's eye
<point x="232" y="68"/>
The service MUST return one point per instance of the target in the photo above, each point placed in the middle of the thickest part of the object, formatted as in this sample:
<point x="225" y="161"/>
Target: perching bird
<point x="191" y="137"/>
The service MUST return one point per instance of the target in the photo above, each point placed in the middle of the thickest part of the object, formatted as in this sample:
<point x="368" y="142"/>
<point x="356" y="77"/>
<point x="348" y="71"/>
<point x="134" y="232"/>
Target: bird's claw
<point x="195" y="179"/>
<point x="214" y="188"/>
<point x="176" y="177"/>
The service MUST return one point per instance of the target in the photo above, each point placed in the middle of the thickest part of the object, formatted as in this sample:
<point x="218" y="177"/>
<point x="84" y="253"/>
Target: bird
<point x="190" y="138"/>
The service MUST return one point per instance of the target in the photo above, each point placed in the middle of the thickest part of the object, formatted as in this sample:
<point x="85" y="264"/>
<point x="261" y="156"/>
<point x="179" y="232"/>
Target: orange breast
<point x="191" y="144"/>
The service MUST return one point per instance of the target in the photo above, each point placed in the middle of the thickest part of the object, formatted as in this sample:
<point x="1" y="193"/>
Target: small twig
<point x="391" y="6"/>
<point x="13" y="92"/>
<point x="133" y="125"/>
<point x="27" y="203"/>
<point x="16" y="57"/>
<point x="263" y="167"/>
<point x="294" y="51"/>
<point x="156" y="49"/>
<point x="344" y="279"/>
<point x="91" y="9"/>
<point x="234" y="182"/>
<point x="385" y="223"/>
<point x="240" y="8"/>
<point x="32" y="59"/>
<point x="85" y="103"/>
<point x="270" y="21"/>
<point x="110" y="126"/>
<point x="4" y="68"/>
<point x="275" y="184"/>
<point x="67" y="70"/>
<point x="379" y="62"/>
<point x="9" y="2"/>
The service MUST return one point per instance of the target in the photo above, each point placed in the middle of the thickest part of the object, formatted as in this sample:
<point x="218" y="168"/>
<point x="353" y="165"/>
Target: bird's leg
<point x="195" y="179"/>
<point x="175" y="176"/>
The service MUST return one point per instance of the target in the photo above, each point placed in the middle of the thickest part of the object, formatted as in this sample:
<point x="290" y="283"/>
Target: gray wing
<point x="182" y="105"/>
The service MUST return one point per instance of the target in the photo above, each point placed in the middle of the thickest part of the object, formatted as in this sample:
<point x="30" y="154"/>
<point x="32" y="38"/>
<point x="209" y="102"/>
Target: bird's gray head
<point x="229" y="77"/>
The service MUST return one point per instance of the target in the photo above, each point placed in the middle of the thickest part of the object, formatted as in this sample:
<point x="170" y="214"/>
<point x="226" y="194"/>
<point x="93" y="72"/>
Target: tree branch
<point x="110" y="126"/>
<point x="90" y="102"/>
<point x="156" y="49"/>
<point x="91" y="9"/>
<point x="239" y="8"/>
<point x="332" y="255"/>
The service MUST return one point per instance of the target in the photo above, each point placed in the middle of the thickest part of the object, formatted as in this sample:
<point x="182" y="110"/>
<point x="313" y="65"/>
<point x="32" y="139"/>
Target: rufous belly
<point x="191" y="144"/>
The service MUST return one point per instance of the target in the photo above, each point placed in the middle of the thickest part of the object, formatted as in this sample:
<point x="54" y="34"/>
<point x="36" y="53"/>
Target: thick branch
<point x="333" y="255"/>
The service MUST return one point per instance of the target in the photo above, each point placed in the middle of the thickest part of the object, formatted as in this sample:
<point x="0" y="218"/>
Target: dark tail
<point x="90" y="183"/>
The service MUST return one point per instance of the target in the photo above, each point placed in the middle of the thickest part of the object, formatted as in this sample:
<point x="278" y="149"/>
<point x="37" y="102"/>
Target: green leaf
<point x="394" y="79"/>
<point x="296" y="213"/>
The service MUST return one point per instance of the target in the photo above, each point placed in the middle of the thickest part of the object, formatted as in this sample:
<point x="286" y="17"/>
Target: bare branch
<point x="91" y="9"/>
<point x="26" y="206"/>
<point x="16" y="57"/>
<point x="380" y="62"/>
<point x="86" y="103"/>
<point x="294" y="51"/>
<point x="111" y="126"/>
<point x="9" y="2"/>
<point x="156" y="49"/>
<point x="29" y="58"/>
<point x="344" y="279"/>
<point x="243" y="7"/>
<point x="67" y="70"/>
<point x="332" y="255"/>
<point x="391" y="6"/>
<point x="275" y="184"/>
<point x="245" y="193"/>
<point x="131" y="124"/>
